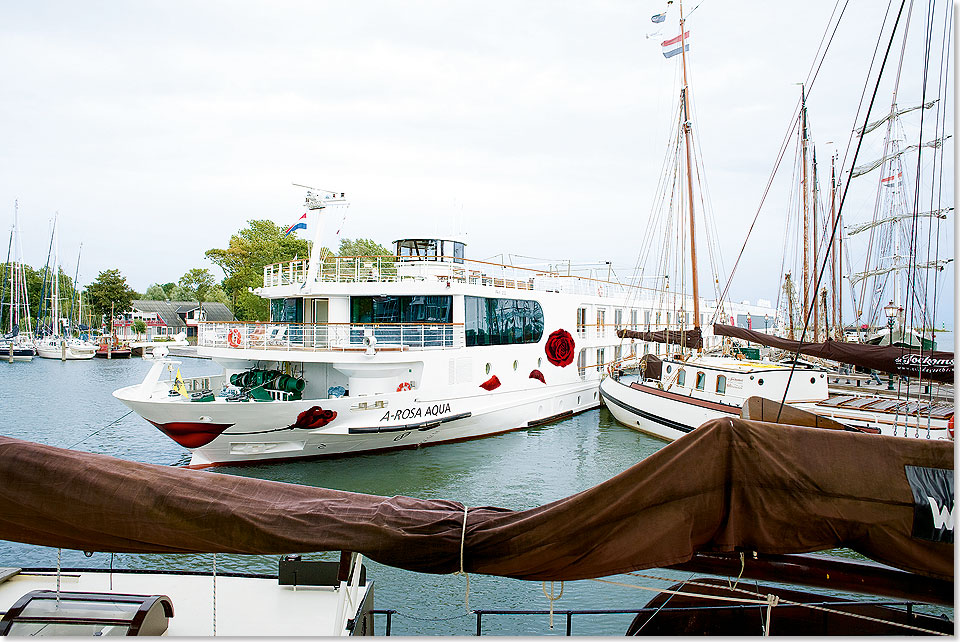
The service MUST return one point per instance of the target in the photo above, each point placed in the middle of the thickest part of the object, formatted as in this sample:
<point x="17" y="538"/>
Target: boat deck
<point x="245" y="605"/>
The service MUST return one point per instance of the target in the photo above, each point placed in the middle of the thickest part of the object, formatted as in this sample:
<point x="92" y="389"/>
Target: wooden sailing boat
<point x="671" y="396"/>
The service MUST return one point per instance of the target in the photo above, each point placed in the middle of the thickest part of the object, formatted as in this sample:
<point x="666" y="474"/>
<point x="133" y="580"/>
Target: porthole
<point x="813" y="380"/>
<point x="488" y="368"/>
<point x="516" y="364"/>
<point x="669" y="369"/>
<point x="759" y="382"/>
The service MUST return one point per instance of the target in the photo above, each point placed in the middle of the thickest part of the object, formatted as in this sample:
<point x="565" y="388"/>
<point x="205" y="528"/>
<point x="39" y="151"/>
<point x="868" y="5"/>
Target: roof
<point x="169" y="311"/>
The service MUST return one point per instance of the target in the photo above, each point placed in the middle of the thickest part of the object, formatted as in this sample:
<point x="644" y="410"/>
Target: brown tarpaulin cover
<point x="927" y="364"/>
<point x="729" y="485"/>
<point x="687" y="338"/>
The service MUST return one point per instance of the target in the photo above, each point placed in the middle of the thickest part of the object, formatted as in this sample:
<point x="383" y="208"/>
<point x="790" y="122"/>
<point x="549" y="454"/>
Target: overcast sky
<point x="157" y="129"/>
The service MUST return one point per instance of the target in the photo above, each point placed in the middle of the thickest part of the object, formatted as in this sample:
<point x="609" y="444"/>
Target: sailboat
<point x="902" y="266"/>
<point x="57" y="342"/>
<point x="15" y="344"/>
<point x="674" y="393"/>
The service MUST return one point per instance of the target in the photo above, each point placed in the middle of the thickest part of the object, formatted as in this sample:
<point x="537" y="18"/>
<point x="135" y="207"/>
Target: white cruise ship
<point x="376" y="353"/>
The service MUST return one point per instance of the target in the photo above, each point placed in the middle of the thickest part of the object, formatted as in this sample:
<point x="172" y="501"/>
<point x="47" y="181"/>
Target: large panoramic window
<point x="495" y="322"/>
<point x="286" y="310"/>
<point x="401" y="309"/>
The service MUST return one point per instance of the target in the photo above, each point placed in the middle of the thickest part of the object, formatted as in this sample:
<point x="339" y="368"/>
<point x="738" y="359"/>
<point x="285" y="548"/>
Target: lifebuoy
<point x="403" y="387"/>
<point x="950" y="426"/>
<point x="234" y="338"/>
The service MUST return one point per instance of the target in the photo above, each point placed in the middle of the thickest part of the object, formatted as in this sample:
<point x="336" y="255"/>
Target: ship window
<point x="633" y="319"/>
<point x="581" y="320"/>
<point x="401" y="309"/>
<point x="681" y="377"/>
<point x="286" y="310"/>
<point x="701" y="381"/>
<point x="457" y="252"/>
<point x="423" y="249"/>
<point x="721" y="384"/>
<point x="495" y="322"/>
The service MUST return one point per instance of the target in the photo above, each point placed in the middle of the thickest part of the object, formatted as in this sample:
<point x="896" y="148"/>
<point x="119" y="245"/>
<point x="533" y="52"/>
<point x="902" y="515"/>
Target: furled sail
<point x="866" y="168"/>
<point x="856" y="277"/>
<point x="687" y="338"/>
<point x="926" y="364"/>
<point x="869" y="128"/>
<point x="862" y="227"/>
<point x="730" y="485"/>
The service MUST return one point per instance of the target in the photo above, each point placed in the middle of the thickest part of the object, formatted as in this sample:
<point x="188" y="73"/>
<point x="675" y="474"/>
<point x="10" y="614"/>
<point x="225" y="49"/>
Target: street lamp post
<point x="891" y="311"/>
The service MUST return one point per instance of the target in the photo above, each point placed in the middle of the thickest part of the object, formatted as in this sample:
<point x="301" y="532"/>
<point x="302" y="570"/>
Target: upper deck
<point x="396" y="269"/>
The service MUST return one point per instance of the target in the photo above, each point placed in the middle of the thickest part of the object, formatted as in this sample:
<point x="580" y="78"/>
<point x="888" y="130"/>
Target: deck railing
<point x="390" y="269"/>
<point x="330" y="336"/>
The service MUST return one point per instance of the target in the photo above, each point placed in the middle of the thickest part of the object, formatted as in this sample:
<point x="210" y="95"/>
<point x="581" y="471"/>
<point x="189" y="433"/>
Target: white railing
<point x="330" y="336"/>
<point x="389" y="269"/>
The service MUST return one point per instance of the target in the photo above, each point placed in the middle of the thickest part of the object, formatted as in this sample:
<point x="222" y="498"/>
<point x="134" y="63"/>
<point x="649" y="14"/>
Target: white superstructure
<point x="383" y="352"/>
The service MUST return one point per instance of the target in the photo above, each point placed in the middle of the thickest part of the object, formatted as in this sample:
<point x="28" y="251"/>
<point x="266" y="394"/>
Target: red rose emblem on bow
<point x="559" y="348"/>
<point x="315" y="417"/>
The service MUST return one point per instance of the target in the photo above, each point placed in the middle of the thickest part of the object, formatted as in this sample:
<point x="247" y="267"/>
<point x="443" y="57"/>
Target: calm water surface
<point x="69" y="404"/>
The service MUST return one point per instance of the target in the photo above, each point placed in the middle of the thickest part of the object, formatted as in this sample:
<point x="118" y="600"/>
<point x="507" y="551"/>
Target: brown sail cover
<point x="729" y="485"/>
<point x="926" y="364"/>
<point x="687" y="338"/>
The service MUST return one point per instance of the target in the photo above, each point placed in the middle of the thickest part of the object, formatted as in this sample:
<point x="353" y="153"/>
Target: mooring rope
<point x="770" y="600"/>
<point x="99" y="429"/>
<point x="463" y="539"/>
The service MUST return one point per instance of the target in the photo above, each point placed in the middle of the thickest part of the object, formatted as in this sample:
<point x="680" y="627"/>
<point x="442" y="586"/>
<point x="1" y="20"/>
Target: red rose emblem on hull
<point x="315" y="417"/>
<point x="559" y="348"/>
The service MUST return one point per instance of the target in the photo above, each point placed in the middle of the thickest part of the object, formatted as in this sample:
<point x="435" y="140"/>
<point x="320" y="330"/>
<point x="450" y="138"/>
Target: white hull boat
<point x="65" y="349"/>
<point x="366" y="354"/>
<point x="185" y="603"/>
<point x="687" y="393"/>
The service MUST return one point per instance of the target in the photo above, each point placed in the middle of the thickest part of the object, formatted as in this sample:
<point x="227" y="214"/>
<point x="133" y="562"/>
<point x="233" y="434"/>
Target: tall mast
<point x="687" y="126"/>
<point x="833" y="246"/>
<point x="816" y="258"/>
<point x="806" y="213"/>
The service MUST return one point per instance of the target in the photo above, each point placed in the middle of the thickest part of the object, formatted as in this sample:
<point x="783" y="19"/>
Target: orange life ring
<point x="403" y="387"/>
<point x="950" y="426"/>
<point x="234" y="338"/>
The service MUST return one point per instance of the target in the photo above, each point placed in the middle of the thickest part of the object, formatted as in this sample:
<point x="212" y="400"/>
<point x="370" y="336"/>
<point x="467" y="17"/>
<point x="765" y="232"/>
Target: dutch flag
<point x="672" y="47"/>
<point x="301" y="224"/>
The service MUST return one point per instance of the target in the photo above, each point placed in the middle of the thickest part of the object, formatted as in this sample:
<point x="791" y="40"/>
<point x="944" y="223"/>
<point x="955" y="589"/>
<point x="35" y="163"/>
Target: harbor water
<point x="69" y="404"/>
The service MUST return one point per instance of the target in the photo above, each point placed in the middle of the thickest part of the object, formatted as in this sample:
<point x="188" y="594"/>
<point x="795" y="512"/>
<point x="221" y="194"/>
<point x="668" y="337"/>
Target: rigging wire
<point x="811" y="78"/>
<point x="836" y="219"/>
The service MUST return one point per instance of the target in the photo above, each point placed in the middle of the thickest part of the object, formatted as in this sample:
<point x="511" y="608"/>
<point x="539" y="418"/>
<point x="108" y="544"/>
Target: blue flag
<point x="660" y="17"/>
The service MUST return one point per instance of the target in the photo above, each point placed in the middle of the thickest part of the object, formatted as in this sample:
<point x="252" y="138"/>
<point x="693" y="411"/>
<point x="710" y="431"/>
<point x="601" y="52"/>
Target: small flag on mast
<point x="660" y="17"/>
<point x="673" y="46"/>
<point x="301" y="224"/>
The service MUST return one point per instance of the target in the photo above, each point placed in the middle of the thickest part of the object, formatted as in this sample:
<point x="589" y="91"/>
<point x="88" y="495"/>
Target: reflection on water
<point x="69" y="404"/>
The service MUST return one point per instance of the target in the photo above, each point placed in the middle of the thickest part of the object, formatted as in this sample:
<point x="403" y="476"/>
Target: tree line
<point x="259" y="244"/>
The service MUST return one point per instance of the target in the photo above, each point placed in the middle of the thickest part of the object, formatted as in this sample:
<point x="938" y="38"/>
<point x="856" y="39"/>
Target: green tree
<point x="260" y="244"/>
<point x="196" y="282"/>
<point x="110" y="288"/>
<point x="155" y="292"/>
<point x="362" y="247"/>
<point x="168" y="290"/>
<point x="139" y="327"/>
